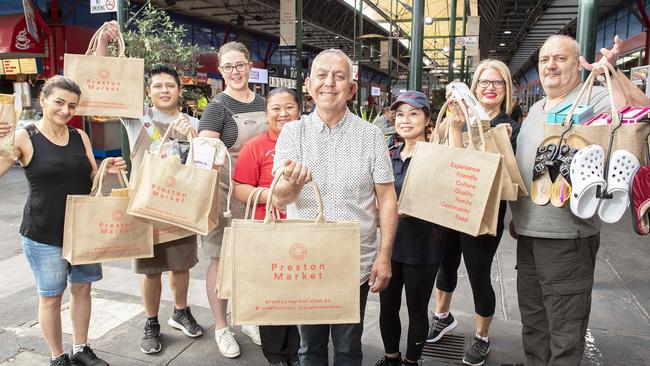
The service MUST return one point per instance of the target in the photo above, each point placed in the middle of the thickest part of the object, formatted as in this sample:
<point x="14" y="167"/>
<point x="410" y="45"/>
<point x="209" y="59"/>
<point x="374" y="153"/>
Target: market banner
<point x="287" y="22"/>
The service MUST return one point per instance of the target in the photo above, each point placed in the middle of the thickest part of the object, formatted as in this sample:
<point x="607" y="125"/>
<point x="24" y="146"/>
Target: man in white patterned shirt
<point x="349" y="159"/>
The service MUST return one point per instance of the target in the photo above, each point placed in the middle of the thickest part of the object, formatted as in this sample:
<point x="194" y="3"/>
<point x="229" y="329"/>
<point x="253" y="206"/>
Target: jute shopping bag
<point x="450" y="186"/>
<point x="7" y="114"/>
<point x="110" y="86"/>
<point x="628" y="136"/>
<point x="502" y="140"/>
<point x="289" y="272"/>
<point x="176" y="194"/>
<point x="97" y="228"/>
<point x="224" y="271"/>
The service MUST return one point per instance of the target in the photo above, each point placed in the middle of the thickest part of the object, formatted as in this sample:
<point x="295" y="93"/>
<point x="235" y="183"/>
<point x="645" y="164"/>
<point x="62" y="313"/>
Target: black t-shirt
<point x="417" y="242"/>
<point x="218" y="119"/>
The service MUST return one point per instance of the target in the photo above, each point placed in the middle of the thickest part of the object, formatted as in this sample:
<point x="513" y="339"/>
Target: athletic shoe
<point x="151" y="340"/>
<point x="386" y="361"/>
<point x="86" y="357"/>
<point x="63" y="360"/>
<point x="252" y="331"/>
<point x="440" y="327"/>
<point x="227" y="344"/>
<point x="477" y="353"/>
<point x="184" y="321"/>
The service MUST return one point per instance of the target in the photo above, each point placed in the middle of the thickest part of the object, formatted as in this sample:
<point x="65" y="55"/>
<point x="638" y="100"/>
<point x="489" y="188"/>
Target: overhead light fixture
<point x="454" y="65"/>
<point x="445" y="49"/>
<point x="336" y="37"/>
<point x="428" y="20"/>
<point x="502" y="44"/>
<point x="507" y="32"/>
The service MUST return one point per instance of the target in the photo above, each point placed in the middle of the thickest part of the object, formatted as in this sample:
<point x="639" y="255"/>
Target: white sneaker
<point x="226" y="341"/>
<point x="252" y="331"/>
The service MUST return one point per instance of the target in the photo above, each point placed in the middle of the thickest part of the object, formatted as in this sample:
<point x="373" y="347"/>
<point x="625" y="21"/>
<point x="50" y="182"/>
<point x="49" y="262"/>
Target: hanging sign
<point x="30" y="19"/>
<point x="287" y="22"/>
<point x="473" y="25"/>
<point x="383" y="58"/>
<point x="470" y="42"/>
<point x="103" y="6"/>
<point x="27" y="66"/>
<point x="12" y="66"/>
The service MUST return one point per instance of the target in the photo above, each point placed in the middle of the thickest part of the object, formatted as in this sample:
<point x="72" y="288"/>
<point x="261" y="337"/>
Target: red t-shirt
<point x="255" y="165"/>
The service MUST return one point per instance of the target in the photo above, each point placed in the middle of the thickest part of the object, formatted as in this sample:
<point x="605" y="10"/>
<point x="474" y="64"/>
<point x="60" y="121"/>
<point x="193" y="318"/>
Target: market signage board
<point x="259" y="76"/>
<point x="30" y="19"/>
<point x="470" y="43"/>
<point x="287" y="22"/>
<point x="27" y="65"/>
<point x="103" y="6"/>
<point x="11" y="66"/>
<point x="383" y="58"/>
<point x="375" y="91"/>
<point x="473" y="25"/>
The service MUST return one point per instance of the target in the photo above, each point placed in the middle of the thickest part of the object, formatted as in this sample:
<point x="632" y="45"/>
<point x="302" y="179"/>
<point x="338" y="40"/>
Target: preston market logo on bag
<point x="116" y="227"/>
<point x="298" y="271"/>
<point x="103" y="83"/>
<point x="168" y="194"/>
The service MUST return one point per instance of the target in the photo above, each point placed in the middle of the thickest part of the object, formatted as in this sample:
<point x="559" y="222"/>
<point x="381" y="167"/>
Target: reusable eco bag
<point x="110" y="86"/>
<point x="628" y="136"/>
<point x="97" y="228"/>
<point x="289" y="272"/>
<point x="176" y="194"/>
<point x="7" y="114"/>
<point x="452" y="186"/>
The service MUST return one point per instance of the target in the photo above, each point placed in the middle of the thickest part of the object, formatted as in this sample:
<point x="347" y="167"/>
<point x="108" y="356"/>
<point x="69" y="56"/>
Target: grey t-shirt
<point x="134" y="126"/>
<point x="549" y="221"/>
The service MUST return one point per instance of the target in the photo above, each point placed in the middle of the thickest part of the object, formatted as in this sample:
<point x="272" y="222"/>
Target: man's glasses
<point x="229" y="68"/>
<point x="483" y="83"/>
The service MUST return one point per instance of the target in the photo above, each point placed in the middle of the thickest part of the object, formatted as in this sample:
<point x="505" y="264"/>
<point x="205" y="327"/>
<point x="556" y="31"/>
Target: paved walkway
<point x="619" y="330"/>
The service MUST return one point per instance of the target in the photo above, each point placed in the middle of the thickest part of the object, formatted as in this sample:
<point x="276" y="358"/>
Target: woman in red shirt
<point x="254" y="169"/>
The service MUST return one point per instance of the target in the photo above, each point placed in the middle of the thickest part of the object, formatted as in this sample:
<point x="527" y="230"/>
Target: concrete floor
<point x="619" y="328"/>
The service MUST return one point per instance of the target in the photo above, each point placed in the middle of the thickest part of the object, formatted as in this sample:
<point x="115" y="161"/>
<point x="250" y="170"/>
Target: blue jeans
<point x="346" y="339"/>
<point x="52" y="272"/>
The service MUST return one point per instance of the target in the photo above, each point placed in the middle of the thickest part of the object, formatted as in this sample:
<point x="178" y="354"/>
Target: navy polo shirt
<point x="417" y="242"/>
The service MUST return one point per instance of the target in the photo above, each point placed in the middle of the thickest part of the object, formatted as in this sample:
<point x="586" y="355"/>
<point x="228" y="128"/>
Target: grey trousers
<point x="554" y="282"/>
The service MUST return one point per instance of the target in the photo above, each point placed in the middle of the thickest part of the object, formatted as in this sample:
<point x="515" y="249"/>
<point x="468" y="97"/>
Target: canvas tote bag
<point x="176" y="194"/>
<point x="97" y="228"/>
<point x="288" y="272"/>
<point x="451" y="186"/>
<point x="110" y="86"/>
<point x="629" y="136"/>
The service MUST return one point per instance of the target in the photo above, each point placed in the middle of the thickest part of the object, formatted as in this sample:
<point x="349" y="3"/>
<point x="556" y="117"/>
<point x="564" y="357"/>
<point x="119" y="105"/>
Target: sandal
<point x="639" y="192"/>
<point x="561" y="189"/>
<point x="542" y="182"/>
<point x="622" y="165"/>
<point x="586" y="173"/>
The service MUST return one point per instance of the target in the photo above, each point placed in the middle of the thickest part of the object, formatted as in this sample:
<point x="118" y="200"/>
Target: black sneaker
<point x="440" y="327"/>
<point x="151" y="340"/>
<point x="86" y="357"/>
<point x="184" y="321"/>
<point x="63" y="360"/>
<point x="386" y="361"/>
<point x="477" y="353"/>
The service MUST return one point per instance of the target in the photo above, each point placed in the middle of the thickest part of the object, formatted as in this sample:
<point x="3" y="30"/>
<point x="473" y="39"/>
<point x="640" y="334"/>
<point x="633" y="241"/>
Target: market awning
<point x="15" y="41"/>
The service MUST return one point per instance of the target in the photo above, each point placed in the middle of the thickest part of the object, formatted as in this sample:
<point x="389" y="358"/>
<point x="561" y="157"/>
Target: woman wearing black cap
<point x="416" y="250"/>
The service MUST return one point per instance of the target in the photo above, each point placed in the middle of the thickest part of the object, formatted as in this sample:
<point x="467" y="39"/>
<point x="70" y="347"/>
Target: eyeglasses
<point x="229" y="68"/>
<point x="483" y="83"/>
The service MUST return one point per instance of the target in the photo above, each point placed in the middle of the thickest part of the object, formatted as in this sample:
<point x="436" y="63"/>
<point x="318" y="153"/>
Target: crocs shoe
<point x="639" y="193"/>
<point x="586" y="174"/>
<point x="622" y="164"/>
<point x="561" y="189"/>
<point x="541" y="186"/>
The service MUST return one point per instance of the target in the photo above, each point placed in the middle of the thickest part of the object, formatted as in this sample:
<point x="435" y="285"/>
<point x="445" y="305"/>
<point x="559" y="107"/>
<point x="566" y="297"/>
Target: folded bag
<point x="176" y="194"/>
<point x="98" y="229"/>
<point x="289" y="272"/>
<point x="110" y="86"/>
<point x="453" y="186"/>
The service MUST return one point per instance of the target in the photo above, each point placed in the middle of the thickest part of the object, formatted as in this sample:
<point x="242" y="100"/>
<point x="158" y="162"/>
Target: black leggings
<point x="478" y="253"/>
<point x="418" y="282"/>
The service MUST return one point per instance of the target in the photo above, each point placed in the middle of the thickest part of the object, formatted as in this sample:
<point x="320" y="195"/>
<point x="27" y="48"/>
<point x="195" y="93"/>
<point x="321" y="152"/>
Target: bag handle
<point x="94" y="42"/>
<point x="435" y="138"/>
<point x="469" y="117"/>
<point x="254" y="193"/>
<point x="320" y="218"/>
<point x="96" y="189"/>
<point x="472" y="114"/>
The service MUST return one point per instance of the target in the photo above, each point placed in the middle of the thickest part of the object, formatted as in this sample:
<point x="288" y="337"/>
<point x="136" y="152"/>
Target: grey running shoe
<point x="184" y="321"/>
<point x="440" y="327"/>
<point x="151" y="340"/>
<point x="385" y="361"/>
<point x="86" y="357"/>
<point x="477" y="352"/>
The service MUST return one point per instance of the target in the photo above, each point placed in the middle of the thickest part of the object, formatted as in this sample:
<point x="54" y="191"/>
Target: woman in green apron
<point x="234" y="116"/>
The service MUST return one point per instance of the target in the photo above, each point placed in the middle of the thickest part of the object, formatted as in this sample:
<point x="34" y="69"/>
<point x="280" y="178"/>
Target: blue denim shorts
<point x="52" y="272"/>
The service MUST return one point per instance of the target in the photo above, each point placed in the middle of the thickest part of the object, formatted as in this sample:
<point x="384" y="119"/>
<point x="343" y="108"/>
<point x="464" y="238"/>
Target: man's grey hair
<point x="336" y="52"/>
<point x="574" y="44"/>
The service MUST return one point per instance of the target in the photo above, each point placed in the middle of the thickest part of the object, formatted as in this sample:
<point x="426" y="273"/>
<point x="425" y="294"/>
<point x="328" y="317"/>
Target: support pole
<point x="452" y="39"/>
<point x="586" y="31"/>
<point x="390" y="53"/>
<point x="462" y="52"/>
<point x="417" y="34"/>
<point x="358" y="54"/>
<point x="299" y="49"/>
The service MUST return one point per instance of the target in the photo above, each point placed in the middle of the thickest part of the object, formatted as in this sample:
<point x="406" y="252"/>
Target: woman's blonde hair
<point x="502" y="69"/>
<point x="234" y="46"/>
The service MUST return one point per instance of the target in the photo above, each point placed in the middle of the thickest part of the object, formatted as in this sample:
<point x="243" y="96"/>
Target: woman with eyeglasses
<point x="235" y="116"/>
<point x="492" y="86"/>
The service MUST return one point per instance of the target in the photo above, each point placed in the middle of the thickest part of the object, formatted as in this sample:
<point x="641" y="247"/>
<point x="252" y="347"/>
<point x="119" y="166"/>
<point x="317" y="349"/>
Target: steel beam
<point x="417" y="32"/>
<point x="586" y="30"/>
<point x="452" y="37"/>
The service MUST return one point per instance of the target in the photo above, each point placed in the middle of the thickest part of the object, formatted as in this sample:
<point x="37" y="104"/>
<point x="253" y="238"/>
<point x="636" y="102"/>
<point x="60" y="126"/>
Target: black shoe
<point x="86" y="357"/>
<point x="184" y="321"/>
<point x="477" y="353"/>
<point x="387" y="361"/>
<point x="282" y="363"/>
<point x="63" y="360"/>
<point x="294" y="363"/>
<point x="440" y="327"/>
<point x="151" y="340"/>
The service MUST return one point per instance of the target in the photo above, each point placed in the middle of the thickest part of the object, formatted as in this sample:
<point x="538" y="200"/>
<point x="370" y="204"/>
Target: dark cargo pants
<point x="554" y="282"/>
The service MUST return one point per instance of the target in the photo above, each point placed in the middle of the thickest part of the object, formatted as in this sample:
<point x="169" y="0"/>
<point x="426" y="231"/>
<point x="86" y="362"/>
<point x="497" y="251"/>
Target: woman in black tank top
<point x="58" y="161"/>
